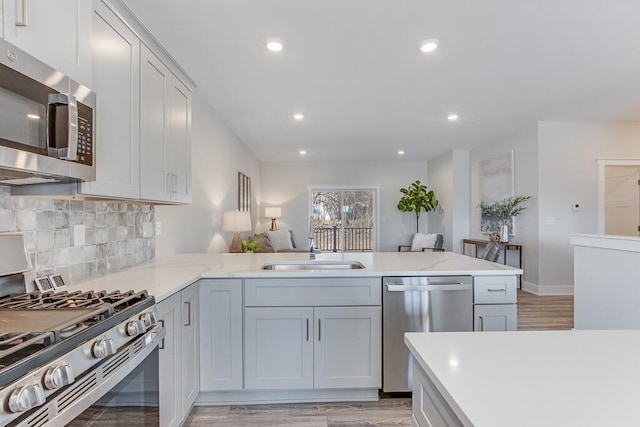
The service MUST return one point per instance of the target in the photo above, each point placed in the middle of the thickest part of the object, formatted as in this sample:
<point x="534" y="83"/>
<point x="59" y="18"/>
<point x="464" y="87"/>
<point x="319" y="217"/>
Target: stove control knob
<point x="58" y="376"/>
<point x="26" y="397"/>
<point x="149" y="319"/>
<point x="135" y="328"/>
<point x="103" y="348"/>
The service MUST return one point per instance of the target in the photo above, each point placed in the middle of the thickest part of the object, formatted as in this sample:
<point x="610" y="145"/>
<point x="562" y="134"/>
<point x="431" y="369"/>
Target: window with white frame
<point x="344" y="219"/>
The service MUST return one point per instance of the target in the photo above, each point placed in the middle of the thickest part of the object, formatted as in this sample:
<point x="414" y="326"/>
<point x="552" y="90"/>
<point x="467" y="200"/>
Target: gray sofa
<point x="277" y="241"/>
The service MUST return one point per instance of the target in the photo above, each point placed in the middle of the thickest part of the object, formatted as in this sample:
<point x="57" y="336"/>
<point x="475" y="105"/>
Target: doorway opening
<point x="619" y="197"/>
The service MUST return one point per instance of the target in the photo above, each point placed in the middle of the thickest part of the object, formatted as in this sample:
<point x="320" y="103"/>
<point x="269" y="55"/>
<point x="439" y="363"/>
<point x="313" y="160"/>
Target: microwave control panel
<point x="85" y="135"/>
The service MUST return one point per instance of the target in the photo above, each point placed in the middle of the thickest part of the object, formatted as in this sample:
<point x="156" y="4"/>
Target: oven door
<point x="136" y="397"/>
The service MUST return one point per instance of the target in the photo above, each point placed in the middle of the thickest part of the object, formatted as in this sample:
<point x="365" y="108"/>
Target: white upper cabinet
<point x="179" y="142"/>
<point x="116" y="81"/>
<point x="56" y="32"/>
<point x="165" y="133"/>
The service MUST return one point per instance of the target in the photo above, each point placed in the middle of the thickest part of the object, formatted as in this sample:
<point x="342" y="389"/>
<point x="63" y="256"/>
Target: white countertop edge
<point x="265" y="274"/>
<point x="166" y="276"/>
<point x="416" y="354"/>
<point x="605" y="241"/>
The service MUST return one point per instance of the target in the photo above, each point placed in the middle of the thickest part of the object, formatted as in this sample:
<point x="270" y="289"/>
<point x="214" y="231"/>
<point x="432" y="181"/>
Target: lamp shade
<point x="236" y="221"/>
<point x="273" y="212"/>
<point x="14" y="254"/>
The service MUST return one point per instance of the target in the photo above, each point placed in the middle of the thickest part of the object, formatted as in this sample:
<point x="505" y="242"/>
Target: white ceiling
<point x="354" y="69"/>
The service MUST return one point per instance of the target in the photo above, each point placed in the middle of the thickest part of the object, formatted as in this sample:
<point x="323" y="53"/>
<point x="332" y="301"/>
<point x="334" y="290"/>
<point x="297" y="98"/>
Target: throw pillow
<point x="422" y="240"/>
<point x="263" y="242"/>
<point x="280" y="239"/>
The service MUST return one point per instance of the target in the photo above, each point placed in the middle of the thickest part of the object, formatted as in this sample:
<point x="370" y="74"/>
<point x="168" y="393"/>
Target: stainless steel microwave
<point x="46" y="123"/>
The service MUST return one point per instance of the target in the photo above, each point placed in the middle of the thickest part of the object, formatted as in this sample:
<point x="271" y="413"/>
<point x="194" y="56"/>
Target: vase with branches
<point x="503" y="210"/>
<point x="415" y="198"/>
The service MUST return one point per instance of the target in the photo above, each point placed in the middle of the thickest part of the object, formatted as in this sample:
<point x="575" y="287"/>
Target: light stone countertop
<point x="166" y="276"/>
<point x="535" y="378"/>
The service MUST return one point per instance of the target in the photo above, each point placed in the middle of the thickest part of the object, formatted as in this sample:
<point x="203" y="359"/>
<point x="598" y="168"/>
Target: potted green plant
<point x="503" y="210"/>
<point x="250" y="246"/>
<point x="415" y="198"/>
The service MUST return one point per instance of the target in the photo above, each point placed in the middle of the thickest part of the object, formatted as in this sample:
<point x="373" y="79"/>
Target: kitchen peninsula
<point x="311" y="331"/>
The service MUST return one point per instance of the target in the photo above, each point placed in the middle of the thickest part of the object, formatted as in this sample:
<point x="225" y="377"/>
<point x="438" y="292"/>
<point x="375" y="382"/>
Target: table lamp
<point x="236" y="221"/>
<point x="273" y="213"/>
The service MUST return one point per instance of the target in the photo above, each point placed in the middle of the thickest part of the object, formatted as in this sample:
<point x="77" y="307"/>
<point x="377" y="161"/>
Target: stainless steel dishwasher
<point x="419" y="304"/>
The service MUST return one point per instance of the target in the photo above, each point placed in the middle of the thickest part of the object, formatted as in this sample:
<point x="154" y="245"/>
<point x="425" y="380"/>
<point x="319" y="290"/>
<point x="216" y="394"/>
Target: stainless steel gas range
<point x="62" y="353"/>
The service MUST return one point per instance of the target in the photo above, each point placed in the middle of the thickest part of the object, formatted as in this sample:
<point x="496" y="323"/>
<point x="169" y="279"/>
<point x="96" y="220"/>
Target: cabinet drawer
<point x="495" y="289"/>
<point x="334" y="291"/>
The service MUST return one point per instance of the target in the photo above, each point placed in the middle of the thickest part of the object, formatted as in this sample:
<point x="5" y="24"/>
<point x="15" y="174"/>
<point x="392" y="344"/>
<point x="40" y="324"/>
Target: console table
<point x="505" y="247"/>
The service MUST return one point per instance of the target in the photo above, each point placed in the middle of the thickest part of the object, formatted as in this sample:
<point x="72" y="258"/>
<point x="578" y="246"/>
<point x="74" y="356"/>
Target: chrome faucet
<point x="312" y="252"/>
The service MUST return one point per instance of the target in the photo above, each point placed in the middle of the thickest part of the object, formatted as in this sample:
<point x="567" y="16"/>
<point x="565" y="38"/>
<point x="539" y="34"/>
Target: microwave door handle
<point x="72" y="152"/>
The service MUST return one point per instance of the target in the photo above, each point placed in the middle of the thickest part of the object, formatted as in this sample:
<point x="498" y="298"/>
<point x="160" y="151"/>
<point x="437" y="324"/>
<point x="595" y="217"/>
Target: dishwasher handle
<point x="457" y="286"/>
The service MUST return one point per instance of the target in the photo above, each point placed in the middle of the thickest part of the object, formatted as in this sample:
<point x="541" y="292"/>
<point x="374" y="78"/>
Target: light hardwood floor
<point x="534" y="313"/>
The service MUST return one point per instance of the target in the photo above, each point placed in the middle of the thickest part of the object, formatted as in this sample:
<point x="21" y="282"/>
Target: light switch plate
<point x="158" y="228"/>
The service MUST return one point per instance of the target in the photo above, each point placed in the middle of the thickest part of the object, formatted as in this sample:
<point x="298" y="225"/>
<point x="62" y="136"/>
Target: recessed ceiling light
<point x="401" y="152"/>
<point x="303" y="152"/>
<point x="453" y="117"/>
<point x="33" y="116"/>
<point x="274" y="45"/>
<point x="298" y="116"/>
<point x="428" y="46"/>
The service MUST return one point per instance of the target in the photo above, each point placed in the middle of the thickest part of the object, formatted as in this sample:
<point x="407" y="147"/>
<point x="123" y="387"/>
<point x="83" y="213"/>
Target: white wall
<point x="448" y="176"/>
<point x="286" y="184"/>
<point x="525" y="147"/>
<point x="217" y="156"/>
<point x="569" y="174"/>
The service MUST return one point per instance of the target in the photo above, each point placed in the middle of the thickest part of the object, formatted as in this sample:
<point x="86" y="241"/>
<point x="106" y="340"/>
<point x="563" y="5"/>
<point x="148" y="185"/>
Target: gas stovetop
<point x="36" y="328"/>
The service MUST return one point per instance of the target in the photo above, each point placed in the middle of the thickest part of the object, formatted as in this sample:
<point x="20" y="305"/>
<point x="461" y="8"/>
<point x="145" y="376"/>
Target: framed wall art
<point x="496" y="183"/>
<point x="244" y="192"/>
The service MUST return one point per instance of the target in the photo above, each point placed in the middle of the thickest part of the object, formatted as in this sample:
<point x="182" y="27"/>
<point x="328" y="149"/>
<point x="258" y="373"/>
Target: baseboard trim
<point x="242" y="397"/>
<point x="547" y="290"/>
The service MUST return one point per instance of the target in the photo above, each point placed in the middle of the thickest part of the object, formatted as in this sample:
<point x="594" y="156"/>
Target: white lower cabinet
<point x="498" y="317"/>
<point x="178" y="361"/>
<point x="220" y="334"/>
<point x="170" y="361"/>
<point x="278" y="348"/>
<point x="190" y="353"/>
<point x="312" y="347"/>
<point x="494" y="299"/>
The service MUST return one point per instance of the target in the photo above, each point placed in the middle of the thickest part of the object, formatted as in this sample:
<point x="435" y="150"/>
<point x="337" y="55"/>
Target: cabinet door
<point x="56" y="32"/>
<point x="220" y="334"/>
<point x="347" y="348"/>
<point x="179" y="141"/>
<point x="189" y="329"/>
<point x="165" y="128"/>
<point x="170" y="360"/>
<point x="154" y="85"/>
<point x="278" y="348"/>
<point x="116" y="78"/>
<point x="496" y="317"/>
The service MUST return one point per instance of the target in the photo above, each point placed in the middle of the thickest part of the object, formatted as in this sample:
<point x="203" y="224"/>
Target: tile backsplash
<point x="116" y="234"/>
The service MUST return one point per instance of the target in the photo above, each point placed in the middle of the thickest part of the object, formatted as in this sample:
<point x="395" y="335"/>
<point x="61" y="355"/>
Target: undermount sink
<point x="313" y="265"/>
